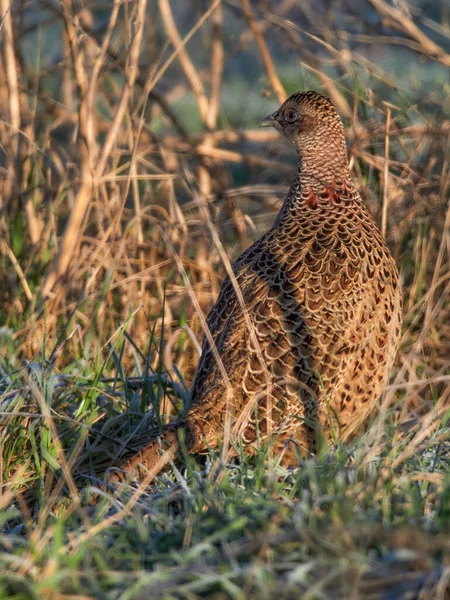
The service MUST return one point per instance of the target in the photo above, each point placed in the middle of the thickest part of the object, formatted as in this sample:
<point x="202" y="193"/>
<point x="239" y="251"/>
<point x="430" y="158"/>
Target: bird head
<point x="303" y="113"/>
<point x="310" y="122"/>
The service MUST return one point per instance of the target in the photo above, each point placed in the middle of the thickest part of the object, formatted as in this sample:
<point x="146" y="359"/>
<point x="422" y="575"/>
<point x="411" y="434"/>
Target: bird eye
<point x="290" y="116"/>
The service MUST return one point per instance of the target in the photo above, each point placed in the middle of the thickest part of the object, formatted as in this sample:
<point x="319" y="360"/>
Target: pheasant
<point x="302" y="337"/>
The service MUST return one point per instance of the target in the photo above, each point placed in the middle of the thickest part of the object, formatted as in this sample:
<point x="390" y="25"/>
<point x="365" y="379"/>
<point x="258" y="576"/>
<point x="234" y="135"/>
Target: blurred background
<point x="131" y="165"/>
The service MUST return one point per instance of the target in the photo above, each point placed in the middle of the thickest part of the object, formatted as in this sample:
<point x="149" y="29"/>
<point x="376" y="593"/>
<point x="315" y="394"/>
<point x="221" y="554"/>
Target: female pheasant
<point x="303" y="336"/>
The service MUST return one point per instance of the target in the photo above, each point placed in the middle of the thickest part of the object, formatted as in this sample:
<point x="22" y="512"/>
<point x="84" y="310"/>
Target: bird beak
<point x="269" y="121"/>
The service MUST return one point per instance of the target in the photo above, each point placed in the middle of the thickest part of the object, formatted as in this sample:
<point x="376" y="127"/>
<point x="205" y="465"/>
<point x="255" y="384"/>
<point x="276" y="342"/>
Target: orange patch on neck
<point x="331" y="194"/>
<point x="311" y="200"/>
<point x="345" y="186"/>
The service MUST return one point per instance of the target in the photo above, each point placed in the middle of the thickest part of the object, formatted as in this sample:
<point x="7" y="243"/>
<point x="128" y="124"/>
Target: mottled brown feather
<point x="323" y="296"/>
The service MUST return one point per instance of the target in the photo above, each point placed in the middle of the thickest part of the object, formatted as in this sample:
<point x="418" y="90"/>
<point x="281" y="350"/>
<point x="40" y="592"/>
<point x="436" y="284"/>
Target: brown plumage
<point x="307" y="340"/>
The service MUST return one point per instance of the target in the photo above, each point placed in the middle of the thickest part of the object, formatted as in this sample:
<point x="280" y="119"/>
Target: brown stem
<point x="185" y="62"/>
<point x="275" y="82"/>
<point x="131" y="71"/>
<point x="400" y="20"/>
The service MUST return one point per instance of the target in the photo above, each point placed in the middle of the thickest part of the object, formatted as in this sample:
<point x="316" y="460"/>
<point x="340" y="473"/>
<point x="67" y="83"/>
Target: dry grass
<point x="131" y="176"/>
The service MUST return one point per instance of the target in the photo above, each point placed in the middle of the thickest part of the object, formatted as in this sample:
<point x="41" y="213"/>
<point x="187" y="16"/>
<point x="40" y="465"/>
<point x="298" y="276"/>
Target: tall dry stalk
<point x="91" y="168"/>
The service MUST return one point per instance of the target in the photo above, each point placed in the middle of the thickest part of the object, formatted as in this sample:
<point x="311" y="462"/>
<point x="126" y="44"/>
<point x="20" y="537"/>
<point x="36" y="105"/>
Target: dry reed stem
<point x="384" y="213"/>
<point x="402" y="21"/>
<point x="86" y="151"/>
<point x="98" y="64"/>
<point x="183" y="57"/>
<point x="67" y="83"/>
<point x="210" y="120"/>
<point x="416" y="350"/>
<point x="85" y="134"/>
<point x="217" y="61"/>
<point x="90" y="177"/>
<point x="272" y="74"/>
<point x="23" y="280"/>
<point x="444" y="247"/>
<point x="193" y="78"/>
<point x="70" y="238"/>
<point x="11" y="79"/>
<point x="15" y="142"/>
<point x="131" y="71"/>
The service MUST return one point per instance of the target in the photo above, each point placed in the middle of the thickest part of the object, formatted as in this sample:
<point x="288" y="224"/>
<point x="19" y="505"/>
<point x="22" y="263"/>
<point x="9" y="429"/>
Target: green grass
<point x="359" y="521"/>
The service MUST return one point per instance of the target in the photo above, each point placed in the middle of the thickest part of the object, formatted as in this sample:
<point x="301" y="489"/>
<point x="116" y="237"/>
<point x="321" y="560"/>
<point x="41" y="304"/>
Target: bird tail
<point x="151" y="460"/>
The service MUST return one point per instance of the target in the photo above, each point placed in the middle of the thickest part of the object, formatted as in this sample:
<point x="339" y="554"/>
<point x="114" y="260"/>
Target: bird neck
<point x="322" y="163"/>
<point x="312" y="191"/>
<point x="323" y="175"/>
